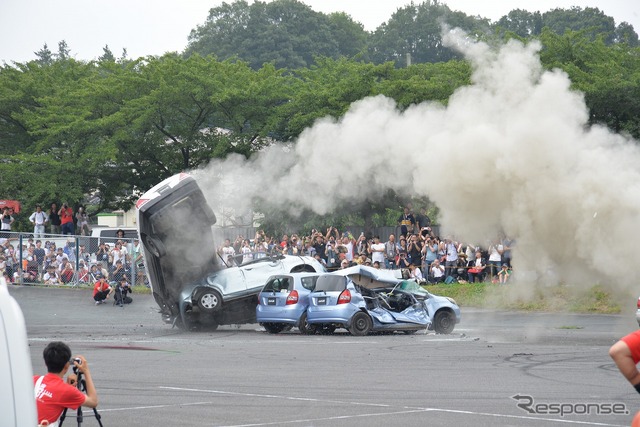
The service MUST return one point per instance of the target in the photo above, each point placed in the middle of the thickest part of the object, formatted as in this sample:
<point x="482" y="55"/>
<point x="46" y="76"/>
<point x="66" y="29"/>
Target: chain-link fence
<point x="64" y="260"/>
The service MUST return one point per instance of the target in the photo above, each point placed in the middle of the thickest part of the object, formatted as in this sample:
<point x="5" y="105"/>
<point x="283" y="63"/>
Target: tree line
<point x="99" y="132"/>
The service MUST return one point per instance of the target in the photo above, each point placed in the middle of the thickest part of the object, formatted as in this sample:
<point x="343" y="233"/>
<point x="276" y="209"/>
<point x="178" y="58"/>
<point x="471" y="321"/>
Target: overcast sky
<point x="153" y="27"/>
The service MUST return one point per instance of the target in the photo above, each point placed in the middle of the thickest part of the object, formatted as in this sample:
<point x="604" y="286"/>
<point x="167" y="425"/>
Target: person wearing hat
<point x="101" y="290"/>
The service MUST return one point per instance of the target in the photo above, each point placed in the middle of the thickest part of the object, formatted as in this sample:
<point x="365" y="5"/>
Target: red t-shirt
<point x="54" y="395"/>
<point x="100" y="286"/>
<point x="67" y="216"/>
<point x="633" y="341"/>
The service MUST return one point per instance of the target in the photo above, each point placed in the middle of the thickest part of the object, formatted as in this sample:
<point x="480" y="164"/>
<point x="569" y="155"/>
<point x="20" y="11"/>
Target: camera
<point x="77" y="360"/>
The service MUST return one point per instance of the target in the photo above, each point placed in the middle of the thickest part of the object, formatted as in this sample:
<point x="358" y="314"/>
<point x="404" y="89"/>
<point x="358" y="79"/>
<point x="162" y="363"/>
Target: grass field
<point x="584" y="299"/>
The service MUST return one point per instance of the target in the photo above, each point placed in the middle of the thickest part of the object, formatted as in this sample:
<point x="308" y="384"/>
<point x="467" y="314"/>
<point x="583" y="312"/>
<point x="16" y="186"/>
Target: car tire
<point x="444" y="322"/>
<point x="273" y="328"/>
<point x="208" y="300"/>
<point x="154" y="246"/>
<point x="361" y="324"/>
<point x="304" y="327"/>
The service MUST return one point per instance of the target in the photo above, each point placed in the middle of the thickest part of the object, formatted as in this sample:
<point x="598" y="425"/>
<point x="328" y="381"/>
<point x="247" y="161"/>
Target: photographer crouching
<point x="122" y="288"/>
<point x="53" y="394"/>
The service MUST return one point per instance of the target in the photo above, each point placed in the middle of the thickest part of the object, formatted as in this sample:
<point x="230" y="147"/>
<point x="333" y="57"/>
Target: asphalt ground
<point x="150" y="374"/>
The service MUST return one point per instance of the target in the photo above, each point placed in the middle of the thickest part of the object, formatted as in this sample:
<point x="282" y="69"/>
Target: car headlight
<point x="451" y="300"/>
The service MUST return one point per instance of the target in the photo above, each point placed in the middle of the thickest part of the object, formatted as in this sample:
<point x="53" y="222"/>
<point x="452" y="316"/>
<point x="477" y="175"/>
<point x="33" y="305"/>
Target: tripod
<point x="82" y="386"/>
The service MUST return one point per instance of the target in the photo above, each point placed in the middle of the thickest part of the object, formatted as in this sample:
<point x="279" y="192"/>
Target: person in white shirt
<point x="377" y="250"/>
<point x="437" y="271"/>
<point x="415" y="273"/>
<point x="39" y="218"/>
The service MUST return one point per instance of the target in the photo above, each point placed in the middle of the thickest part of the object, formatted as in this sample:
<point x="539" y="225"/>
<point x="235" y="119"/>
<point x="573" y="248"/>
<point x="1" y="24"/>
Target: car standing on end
<point x="283" y="302"/>
<point x="194" y="288"/>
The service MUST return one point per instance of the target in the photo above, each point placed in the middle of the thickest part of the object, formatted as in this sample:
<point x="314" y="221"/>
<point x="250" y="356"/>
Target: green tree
<point x="521" y="22"/>
<point x="590" y="19"/>
<point x="413" y="34"/>
<point x="609" y="76"/>
<point x="287" y="33"/>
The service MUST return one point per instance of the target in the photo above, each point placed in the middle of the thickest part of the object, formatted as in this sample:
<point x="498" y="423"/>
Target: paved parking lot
<point x="150" y="374"/>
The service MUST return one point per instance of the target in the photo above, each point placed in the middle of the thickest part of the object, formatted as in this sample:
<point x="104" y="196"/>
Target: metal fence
<point x="66" y="260"/>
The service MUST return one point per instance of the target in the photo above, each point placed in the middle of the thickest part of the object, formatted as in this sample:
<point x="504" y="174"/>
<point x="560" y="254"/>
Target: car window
<point x="279" y="284"/>
<point x="309" y="283"/>
<point x="331" y="283"/>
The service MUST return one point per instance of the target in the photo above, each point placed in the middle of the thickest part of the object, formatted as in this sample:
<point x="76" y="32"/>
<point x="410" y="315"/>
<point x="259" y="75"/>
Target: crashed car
<point x="363" y="299"/>
<point x="192" y="286"/>
<point x="283" y="302"/>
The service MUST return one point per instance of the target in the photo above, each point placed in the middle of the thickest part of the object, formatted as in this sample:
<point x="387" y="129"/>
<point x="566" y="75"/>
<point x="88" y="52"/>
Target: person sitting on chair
<point x="53" y="394"/>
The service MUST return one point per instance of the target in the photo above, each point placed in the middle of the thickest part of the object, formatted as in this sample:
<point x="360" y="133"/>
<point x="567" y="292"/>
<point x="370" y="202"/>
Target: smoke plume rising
<point x="512" y="153"/>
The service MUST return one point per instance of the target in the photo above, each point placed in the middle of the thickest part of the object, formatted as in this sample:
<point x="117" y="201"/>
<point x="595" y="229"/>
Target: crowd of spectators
<point x="41" y="261"/>
<point x="418" y="251"/>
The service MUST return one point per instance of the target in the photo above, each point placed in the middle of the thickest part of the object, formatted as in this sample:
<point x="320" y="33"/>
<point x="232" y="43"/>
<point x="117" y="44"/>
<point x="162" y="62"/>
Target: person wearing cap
<point x="101" y="290"/>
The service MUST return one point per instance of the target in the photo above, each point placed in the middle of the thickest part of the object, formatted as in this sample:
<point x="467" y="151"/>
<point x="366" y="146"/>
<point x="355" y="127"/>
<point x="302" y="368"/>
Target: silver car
<point x="194" y="288"/>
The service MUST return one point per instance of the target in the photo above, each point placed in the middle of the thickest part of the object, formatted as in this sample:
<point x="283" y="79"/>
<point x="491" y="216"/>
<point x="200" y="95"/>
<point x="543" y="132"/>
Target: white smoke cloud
<point x="512" y="153"/>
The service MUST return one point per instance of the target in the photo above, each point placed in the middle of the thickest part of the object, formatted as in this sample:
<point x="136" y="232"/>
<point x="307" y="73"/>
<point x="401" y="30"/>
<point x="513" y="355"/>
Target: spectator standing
<point x="422" y="220"/>
<point x="390" y="252"/>
<point x="451" y="262"/>
<point x="377" y="250"/>
<point x="320" y="246"/>
<point x="82" y="220"/>
<point x="429" y="252"/>
<point x="495" y="258"/>
<point x="40" y="254"/>
<point x="414" y="250"/>
<point x="39" y="220"/>
<point x="66" y="219"/>
<point x="407" y="222"/>
<point x="6" y="219"/>
<point x="54" y="219"/>
<point x="507" y="246"/>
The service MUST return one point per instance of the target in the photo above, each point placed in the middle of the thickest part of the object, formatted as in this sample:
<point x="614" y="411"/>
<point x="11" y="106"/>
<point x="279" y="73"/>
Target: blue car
<point x="364" y="299"/>
<point x="283" y="302"/>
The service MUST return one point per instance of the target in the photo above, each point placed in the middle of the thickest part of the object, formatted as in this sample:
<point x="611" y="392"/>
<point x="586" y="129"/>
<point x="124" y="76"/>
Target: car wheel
<point x="154" y="246"/>
<point x="304" y="327"/>
<point x="361" y="324"/>
<point x="273" y="328"/>
<point x="208" y="300"/>
<point x="444" y="322"/>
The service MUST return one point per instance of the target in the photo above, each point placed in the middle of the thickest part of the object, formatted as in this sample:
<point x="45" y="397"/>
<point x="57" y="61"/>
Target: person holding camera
<point x="402" y="261"/>
<point x="120" y="294"/>
<point x="66" y="219"/>
<point x="53" y="395"/>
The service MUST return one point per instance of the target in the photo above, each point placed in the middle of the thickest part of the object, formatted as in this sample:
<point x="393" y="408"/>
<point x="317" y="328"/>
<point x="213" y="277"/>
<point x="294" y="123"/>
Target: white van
<point x="18" y="405"/>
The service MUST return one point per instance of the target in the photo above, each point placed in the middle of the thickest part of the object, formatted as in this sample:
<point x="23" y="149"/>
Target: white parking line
<point x="408" y="410"/>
